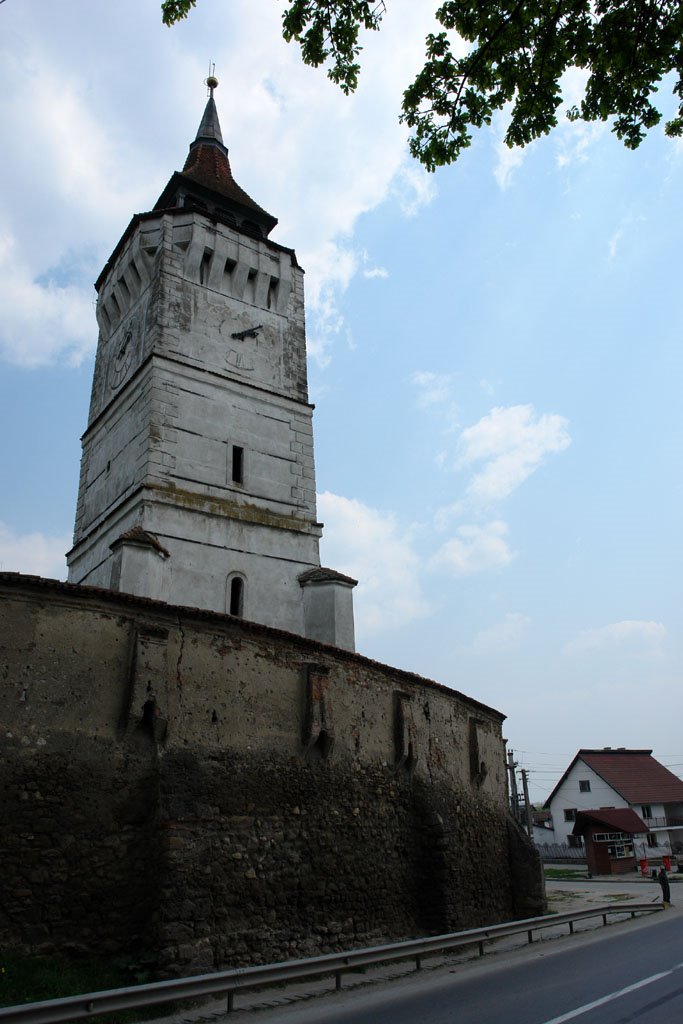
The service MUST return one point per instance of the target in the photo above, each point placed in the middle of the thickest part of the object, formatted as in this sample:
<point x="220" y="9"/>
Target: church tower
<point x="197" y="478"/>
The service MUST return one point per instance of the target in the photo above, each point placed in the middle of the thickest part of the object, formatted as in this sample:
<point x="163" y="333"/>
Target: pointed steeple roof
<point x="206" y="179"/>
<point x="210" y="128"/>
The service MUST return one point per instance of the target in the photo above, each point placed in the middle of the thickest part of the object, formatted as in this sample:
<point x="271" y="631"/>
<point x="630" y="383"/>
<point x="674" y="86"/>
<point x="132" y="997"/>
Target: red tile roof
<point x="634" y="774"/>
<point x="621" y="819"/>
<point x="210" y="167"/>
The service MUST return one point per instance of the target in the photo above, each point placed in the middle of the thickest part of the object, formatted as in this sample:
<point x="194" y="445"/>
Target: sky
<point x="494" y="349"/>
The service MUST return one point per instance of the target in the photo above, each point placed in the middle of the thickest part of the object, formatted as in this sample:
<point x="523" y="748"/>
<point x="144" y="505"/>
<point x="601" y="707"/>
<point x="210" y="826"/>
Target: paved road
<point x="617" y="975"/>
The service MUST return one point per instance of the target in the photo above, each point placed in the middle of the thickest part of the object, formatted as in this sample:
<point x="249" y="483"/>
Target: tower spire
<point x="209" y="131"/>
<point x="206" y="181"/>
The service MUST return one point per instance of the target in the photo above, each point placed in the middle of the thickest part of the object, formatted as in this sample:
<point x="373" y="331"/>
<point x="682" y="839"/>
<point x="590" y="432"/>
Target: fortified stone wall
<point x="218" y="792"/>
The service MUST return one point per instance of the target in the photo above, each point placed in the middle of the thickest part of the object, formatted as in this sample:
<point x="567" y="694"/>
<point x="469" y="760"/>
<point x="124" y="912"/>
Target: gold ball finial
<point x="211" y="82"/>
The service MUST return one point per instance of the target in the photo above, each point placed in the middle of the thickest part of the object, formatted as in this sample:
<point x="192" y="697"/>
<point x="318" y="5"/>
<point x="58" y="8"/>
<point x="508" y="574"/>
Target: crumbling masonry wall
<point x="219" y="793"/>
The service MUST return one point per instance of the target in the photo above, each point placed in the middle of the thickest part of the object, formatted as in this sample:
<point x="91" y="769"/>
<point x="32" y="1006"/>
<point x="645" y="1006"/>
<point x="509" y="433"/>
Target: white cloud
<point x="41" y="322"/>
<point x="504" y="636"/>
<point x="414" y="188"/>
<point x="633" y="635"/>
<point x="433" y="388"/>
<point x="372" y="547"/>
<point x="445" y="515"/>
<point x="331" y="268"/>
<point x="375" y="272"/>
<point x="615" y="241"/>
<point x="573" y="139"/>
<point x="33" y="553"/>
<point x="89" y="156"/>
<point x="508" y="159"/>
<point x="511" y="443"/>
<point x="474" y="548"/>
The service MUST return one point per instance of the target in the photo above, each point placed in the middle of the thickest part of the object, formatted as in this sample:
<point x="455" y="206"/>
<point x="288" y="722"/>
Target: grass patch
<point x="565" y="874"/>
<point x="33" y="979"/>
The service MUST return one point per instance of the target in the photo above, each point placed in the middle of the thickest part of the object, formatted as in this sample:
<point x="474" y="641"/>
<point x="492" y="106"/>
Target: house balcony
<point x="668" y="822"/>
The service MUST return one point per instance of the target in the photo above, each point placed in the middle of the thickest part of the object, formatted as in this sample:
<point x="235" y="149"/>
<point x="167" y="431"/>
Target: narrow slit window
<point x="236" y="596"/>
<point x="237" y="464"/>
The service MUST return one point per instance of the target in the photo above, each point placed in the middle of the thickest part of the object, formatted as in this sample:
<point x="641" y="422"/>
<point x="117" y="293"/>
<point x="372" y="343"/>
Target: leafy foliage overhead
<point x="515" y="52"/>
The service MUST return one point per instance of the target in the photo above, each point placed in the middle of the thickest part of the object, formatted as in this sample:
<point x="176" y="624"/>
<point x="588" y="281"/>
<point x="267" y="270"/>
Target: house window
<point x="570" y="814"/>
<point x="575" y="841"/>
<point x="619" y="851"/>
<point x="652" y="840"/>
<point x="236" y="596"/>
<point x="619" y="845"/>
<point x="584" y="785"/>
<point x="646" y="810"/>
<point x="237" y="464"/>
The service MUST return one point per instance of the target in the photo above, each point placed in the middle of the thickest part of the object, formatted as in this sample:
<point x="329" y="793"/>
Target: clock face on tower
<point x="123" y="354"/>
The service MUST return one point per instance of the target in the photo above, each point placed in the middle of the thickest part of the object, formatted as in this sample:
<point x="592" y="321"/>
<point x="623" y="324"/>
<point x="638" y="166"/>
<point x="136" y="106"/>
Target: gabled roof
<point x="621" y="819"/>
<point x="321" y="575"/>
<point x="634" y="774"/>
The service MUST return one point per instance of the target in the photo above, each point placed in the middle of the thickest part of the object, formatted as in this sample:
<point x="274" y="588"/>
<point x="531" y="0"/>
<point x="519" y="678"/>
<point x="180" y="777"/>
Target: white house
<point x="621" y="778"/>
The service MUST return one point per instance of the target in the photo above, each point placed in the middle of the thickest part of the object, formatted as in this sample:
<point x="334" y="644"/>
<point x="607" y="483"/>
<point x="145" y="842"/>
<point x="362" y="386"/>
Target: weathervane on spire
<point x="211" y="82"/>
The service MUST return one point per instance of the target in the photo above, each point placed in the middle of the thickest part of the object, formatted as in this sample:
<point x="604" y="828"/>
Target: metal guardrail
<point x="226" y="983"/>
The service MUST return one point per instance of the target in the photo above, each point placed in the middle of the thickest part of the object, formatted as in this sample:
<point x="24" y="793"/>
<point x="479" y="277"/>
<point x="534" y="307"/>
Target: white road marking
<point x="613" y="995"/>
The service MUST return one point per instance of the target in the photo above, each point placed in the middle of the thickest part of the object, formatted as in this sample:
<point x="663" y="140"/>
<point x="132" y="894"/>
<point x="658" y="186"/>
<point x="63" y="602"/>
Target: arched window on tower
<point x="235" y="595"/>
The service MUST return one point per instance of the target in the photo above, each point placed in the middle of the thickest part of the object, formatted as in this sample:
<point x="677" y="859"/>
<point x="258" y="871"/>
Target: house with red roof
<point x="618" y="779"/>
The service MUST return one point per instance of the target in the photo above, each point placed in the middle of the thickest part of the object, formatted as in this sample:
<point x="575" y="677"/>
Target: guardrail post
<point x="418" y="962"/>
<point x="337" y="980"/>
<point x="231" y="1001"/>
<point x="481" y="949"/>
<point x="530" y="936"/>
<point x="571" y="927"/>
<point x="604" y="919"/>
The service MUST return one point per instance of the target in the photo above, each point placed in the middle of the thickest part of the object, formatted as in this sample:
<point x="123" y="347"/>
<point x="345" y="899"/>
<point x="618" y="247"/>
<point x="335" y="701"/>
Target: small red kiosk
<point x="610" y="837"/>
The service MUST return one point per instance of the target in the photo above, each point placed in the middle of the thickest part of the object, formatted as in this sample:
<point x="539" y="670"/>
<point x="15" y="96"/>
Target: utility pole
<point x="514" y="798"/>
<point x="527" y="805"/>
